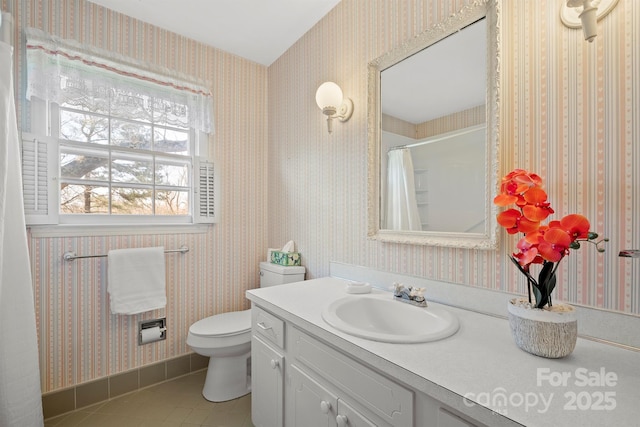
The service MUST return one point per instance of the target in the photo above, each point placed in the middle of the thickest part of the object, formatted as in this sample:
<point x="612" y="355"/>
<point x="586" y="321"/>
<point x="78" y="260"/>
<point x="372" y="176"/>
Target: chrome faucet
<point x="411" y="295"/>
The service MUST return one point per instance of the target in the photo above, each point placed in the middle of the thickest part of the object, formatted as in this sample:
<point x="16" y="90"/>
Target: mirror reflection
<point x="433" y="135"/>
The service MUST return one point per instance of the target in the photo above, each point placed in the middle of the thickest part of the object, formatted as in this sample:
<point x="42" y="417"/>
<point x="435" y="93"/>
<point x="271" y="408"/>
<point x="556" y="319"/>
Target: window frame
<point x="45" y="128"/>
<point x="50" y="62"/>
<point x="114" y="218"/>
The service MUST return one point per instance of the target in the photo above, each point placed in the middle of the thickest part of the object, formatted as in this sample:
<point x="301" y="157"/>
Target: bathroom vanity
<point x="307" y="373"/>
<point x="324" y="386"/>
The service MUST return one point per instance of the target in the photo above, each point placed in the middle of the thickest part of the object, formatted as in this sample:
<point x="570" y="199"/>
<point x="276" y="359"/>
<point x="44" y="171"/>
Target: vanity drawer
<point x="267" y="326"/>
<point x="385" y="398"/>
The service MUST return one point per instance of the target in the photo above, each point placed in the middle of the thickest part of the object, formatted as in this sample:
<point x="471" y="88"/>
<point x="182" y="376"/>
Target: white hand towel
<point x="136" y="280"/>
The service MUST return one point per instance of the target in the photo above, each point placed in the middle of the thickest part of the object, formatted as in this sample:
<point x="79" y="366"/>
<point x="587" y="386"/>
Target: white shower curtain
<point x="402" y="208"/>
<point x="20" y="394"/>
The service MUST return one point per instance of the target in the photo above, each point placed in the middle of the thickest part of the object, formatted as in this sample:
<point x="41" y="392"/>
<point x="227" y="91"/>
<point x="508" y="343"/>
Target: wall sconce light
<point x="330" y="100"/>
<point x="585" y="14"/>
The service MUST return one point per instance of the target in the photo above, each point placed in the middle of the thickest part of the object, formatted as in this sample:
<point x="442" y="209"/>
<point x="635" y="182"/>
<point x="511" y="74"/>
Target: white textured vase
<point x="543" y="332"/>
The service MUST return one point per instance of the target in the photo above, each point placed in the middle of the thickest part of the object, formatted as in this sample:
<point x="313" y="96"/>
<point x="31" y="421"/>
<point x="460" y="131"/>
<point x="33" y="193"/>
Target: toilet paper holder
<point x="152" y="330"/>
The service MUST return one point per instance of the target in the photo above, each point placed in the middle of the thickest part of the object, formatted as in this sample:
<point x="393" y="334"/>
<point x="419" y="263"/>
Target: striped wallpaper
<point x="79" y="338"/>
<point x="398" y="126"/>
<point x="570" y="112"/>
<point x="470" y="117"/>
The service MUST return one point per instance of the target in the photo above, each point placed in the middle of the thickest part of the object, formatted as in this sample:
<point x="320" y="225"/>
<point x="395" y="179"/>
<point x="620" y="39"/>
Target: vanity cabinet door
<point x="349" y="417"/>
<point x="313" y="405"/>
<point x="384" y="401"/>
<point x="267" y="385"/>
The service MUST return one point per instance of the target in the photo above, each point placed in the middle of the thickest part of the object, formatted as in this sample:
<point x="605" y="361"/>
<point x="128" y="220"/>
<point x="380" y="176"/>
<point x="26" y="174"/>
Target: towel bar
<point x="70" y="256"/>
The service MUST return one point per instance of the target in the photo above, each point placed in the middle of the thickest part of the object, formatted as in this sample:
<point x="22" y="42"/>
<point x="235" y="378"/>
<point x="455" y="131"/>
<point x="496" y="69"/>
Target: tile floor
<point x="174" y="403"/>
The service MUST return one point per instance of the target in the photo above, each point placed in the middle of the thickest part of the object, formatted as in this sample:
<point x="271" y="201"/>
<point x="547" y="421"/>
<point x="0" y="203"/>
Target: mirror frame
<point x="467" y="15"/>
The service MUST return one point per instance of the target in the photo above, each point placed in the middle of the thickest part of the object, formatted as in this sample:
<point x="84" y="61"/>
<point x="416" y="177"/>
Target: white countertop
<point x="597" y="385"/>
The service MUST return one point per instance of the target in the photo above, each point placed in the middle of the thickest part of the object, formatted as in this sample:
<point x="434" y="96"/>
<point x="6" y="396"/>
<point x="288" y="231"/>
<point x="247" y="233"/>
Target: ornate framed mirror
<point x="433" y="116"/>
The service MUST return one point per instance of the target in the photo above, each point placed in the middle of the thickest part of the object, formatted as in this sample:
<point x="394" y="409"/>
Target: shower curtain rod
<point x="440" y="138"/>
<point x="70" y="256"/>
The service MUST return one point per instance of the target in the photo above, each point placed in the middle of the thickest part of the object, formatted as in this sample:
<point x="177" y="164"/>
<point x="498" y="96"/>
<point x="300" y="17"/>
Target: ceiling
<point x="262" y="30"/>
<point x="448" y="77"/>
<point x="258" y="30"/>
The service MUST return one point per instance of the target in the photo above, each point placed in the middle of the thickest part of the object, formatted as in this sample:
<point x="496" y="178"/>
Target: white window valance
<point x="65" y="71"/>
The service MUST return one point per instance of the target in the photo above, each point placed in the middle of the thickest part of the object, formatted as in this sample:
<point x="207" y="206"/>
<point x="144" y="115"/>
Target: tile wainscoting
<point x="69" y="399"/>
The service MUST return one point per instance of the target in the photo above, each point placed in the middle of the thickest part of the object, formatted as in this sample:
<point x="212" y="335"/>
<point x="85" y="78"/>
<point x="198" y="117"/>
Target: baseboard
<point x="69" y="399"/>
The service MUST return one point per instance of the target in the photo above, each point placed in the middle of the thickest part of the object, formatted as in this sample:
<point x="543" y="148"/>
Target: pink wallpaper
<point x="79" y="339"/>
<point x="569" y="112"/>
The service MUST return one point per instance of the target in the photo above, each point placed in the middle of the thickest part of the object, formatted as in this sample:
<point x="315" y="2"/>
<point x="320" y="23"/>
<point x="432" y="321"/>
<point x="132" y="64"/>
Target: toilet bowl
<point x="226" y="339"/>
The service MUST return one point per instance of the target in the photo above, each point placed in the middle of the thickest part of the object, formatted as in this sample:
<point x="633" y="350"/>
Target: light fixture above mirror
<point x="332" y="103"/>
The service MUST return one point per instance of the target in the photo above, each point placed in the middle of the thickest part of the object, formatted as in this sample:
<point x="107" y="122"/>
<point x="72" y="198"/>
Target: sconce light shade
<point x="585" y="14"/>
<point x="330" y="100"/>
<point x="329" y="95"/>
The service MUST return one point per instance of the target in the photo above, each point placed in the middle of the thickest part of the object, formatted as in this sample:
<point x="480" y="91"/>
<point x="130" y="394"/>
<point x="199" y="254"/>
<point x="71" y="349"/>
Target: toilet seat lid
<point x="224" y="324"/>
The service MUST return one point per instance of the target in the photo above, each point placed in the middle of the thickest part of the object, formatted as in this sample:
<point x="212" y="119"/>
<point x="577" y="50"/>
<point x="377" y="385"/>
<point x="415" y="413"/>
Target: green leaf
<point x="551" y="284"/>
<point x="546" y="281"/>
<point x="523" y="271"/>
<point x="538" y="295"/>
<point x="545" y="273"/>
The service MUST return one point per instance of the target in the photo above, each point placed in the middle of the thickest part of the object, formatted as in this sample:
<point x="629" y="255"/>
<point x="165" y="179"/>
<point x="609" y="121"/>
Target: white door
<point x="313" y="405"/>
<point x="267" y="381"/>
<point x="349" y="417"/>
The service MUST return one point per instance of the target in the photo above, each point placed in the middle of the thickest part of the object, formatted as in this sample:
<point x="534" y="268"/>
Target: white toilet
<point x="226" y="339"/>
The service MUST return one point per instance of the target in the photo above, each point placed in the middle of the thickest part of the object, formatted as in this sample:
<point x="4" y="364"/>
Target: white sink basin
<point x="379" y="317"/>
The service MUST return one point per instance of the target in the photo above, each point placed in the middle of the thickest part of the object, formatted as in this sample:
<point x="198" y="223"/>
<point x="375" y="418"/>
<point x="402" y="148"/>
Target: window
<point x="112" y="144"/>
<point x="112" y="164"/>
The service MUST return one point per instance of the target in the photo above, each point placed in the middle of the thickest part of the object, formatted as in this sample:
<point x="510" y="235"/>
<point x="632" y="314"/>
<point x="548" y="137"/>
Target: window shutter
<point x="39" y="163"/>
<point x="206" y="191"/>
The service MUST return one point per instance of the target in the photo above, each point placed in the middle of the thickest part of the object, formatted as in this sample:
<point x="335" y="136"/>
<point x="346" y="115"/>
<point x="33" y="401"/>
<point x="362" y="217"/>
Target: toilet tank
<point x="274" y="274"/>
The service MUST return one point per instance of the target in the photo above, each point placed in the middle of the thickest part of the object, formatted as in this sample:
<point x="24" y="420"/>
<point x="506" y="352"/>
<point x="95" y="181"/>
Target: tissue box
<point x="285" y="258"/>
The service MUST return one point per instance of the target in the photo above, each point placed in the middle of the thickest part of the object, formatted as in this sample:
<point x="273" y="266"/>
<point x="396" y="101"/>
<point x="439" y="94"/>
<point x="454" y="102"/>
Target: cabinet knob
<point x="325" y="406"/>
<point x="342" y="420"/>
<point x="274" y="363"/>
